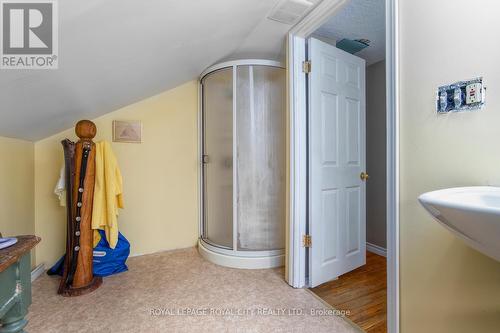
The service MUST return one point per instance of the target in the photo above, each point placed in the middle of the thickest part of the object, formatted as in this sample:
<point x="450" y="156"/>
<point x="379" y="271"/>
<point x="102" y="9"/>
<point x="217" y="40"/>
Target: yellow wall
<point x="160" y="176"/>
<point x="16" y="187"/>
<point x="445" y="285"/>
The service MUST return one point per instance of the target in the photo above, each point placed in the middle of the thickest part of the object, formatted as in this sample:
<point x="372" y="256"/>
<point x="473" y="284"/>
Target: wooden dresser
<point x="15" y="284"/>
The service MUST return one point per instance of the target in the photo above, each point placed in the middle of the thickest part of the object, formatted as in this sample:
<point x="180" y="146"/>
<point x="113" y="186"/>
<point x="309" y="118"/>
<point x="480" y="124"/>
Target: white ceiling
<point x="359" y="19"/>
<point x="116" y="52"/>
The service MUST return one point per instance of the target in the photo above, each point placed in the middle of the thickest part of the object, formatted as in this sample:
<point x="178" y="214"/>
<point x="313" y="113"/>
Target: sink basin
<point x="471" y="213"/>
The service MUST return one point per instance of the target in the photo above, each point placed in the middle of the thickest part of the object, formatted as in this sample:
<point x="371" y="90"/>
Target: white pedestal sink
<point x="471" y="213"/>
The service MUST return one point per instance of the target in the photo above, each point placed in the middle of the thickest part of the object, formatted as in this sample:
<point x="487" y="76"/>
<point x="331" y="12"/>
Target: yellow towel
<point x="108" y="193"/>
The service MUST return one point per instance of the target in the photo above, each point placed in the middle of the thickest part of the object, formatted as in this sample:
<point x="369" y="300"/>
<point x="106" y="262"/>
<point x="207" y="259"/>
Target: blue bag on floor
<point x="107" y="261"/>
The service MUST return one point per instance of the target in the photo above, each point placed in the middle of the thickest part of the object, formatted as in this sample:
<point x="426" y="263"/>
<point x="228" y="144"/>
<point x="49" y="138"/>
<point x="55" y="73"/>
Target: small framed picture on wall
<point x="127" y="131"/>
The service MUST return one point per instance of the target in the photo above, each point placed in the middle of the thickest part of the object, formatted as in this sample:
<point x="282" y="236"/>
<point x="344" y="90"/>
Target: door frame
<point x="296" y="260"/>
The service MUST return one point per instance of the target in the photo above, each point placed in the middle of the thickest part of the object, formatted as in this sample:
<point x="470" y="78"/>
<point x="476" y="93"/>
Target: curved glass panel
<point x="218" y="157"/>
<point x="260" y="136"/>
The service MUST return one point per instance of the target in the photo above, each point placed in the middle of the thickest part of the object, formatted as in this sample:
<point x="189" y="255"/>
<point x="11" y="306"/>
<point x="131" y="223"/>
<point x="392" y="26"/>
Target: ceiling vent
<point x="290" y="11"/>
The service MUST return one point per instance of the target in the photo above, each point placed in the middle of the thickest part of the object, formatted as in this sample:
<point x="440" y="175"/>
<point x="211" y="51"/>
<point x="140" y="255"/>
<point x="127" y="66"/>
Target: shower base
<point x="241" y="259"/>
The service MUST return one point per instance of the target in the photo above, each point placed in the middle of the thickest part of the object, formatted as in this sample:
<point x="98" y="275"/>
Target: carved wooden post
<point x="78" y="278"/>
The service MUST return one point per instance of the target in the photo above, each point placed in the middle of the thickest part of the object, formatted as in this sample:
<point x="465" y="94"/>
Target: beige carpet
<point x="179" y="291"/>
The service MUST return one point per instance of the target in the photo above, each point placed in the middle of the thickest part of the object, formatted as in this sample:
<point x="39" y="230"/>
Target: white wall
<point x="445" y="285"/>
<point x="376" y="194"/>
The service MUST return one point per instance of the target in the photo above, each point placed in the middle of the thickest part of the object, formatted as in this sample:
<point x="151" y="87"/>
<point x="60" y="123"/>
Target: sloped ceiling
<point x="116" y="52"/>
<point x="359" y="19"/>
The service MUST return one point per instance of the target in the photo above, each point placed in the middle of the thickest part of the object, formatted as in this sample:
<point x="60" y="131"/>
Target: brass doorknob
<point x="364" y="176"/>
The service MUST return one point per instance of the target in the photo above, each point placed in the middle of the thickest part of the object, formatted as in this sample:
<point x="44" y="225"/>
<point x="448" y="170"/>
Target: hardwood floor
<point x="363" y="292"/>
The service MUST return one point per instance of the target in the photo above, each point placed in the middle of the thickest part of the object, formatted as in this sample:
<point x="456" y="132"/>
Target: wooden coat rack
<point x="78" y="277"/>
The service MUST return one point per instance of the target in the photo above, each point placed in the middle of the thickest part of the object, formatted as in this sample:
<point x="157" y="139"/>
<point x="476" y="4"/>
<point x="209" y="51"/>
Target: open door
<point x="337" y="162"/>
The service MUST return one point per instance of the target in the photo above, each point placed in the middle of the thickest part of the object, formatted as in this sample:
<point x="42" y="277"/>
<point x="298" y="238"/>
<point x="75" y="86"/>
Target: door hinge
<point x="306" y="66"/>
<point x="306" y="241"/>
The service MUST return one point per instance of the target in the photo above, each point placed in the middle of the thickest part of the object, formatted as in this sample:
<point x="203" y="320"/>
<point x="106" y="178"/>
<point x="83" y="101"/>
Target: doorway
<point x="343" y="170"/>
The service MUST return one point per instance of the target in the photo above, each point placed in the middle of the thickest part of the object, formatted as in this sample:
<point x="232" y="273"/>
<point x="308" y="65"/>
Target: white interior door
<point x="337" y="149"/>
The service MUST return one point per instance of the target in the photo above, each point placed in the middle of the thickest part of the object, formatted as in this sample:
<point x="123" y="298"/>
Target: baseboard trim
<point x="37" y="271"/>
<point x="161" y="251"/>
<point x="376" y="249"/>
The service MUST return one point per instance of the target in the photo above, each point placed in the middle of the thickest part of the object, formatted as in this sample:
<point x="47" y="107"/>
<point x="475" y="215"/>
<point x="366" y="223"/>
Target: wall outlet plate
<point x="461" y="96"/>
<point x="473" y="93"/>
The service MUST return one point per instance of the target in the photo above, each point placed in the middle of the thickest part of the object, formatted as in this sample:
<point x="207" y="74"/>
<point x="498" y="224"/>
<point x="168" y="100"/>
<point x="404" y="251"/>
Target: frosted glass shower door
<point x="218" y="157"/>
<point x="260" y="128"/>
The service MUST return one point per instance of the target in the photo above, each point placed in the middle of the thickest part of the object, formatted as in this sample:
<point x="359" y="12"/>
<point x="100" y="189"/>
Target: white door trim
<point x="297" y="190"/>
<point x="392" y="98"/>
<point x="297" y="212"/>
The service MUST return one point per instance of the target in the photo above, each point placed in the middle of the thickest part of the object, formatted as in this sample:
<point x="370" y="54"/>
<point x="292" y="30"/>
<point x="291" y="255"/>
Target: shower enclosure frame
<point x="215" y="253"/>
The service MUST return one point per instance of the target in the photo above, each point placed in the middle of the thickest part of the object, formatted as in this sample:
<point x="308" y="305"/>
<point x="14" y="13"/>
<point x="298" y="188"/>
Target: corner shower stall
<point x="242" y="164"/>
